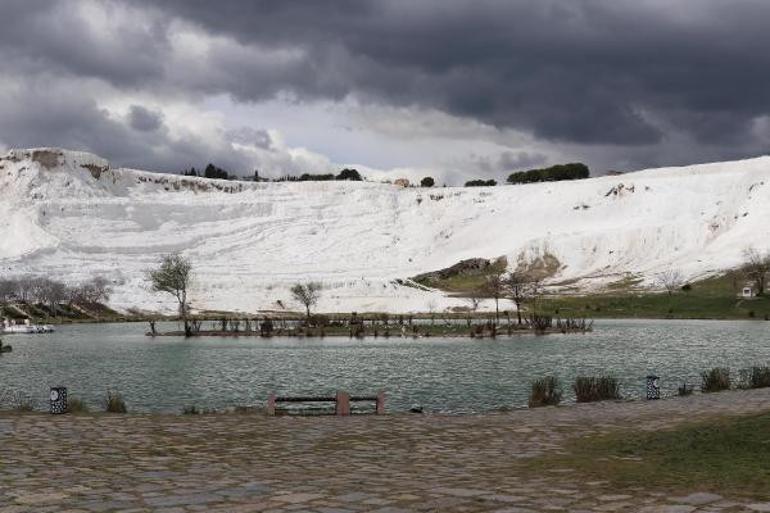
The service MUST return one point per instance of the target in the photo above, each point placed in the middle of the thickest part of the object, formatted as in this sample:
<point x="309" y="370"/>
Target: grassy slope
<point x="726" y="455"/>
<point x="713" y="298"/>
<point x="465" y="284"/>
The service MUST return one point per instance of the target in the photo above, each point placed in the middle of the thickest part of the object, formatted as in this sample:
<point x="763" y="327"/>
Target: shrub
<point x="589" y="389"/>
<point x="545" y="392"/>
<point x="755" y="377"/>
<point x="114" y="403"/>
<point x="480" y="183"/>
<point x="22" y="402"/>
<point x="428" y="181"/>
<point x="572" y="171"/>
<point x="715" y="380"/>
<point x="190" y="410"/>
<point x="684" y="389"/>
<point x="349" y="174"/>
<point x="75" y="405"/>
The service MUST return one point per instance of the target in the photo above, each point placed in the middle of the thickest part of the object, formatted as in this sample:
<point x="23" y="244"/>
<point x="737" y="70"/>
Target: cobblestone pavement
<point x="386" y="464"/>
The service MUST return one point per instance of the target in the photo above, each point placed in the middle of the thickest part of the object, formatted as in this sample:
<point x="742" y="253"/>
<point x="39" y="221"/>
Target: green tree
<point x="174" y="276"/>
<point x="571" y="171"/>
<point x="349" y="174"/>
<point x="428" y="181"/>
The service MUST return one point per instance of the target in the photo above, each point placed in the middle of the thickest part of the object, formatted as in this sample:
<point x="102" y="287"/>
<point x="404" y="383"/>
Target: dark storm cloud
<point x="589" y="72"/>
<point x="624" y="75"/>
<point x="509" y="161"/>
<point x="56" y="36"/>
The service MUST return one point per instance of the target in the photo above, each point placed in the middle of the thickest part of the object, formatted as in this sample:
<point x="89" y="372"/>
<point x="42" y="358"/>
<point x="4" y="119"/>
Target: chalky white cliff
<point x="70" y="215"/>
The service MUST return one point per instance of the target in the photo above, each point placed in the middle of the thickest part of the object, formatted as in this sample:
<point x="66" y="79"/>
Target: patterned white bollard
<point x="653" y="387"/>
<point x="58" y="400"/>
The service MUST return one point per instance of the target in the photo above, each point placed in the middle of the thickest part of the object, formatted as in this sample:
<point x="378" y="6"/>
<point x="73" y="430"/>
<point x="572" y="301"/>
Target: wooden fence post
<point x="381" y="403"/>
<point x="271" y="405"/>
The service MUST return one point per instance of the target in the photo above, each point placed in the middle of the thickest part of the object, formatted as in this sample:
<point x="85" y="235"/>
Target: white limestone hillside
<point x="69" y="215"/>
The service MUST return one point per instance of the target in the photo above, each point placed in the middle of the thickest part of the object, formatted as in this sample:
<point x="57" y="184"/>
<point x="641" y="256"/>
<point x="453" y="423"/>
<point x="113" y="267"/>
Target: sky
<point x="455" y="89"/>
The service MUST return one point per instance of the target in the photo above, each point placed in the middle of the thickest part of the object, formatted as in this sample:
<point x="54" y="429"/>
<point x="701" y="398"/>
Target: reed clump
<point x="596" y="388"/>
<point x="755" y="377"/>
<point x="114" y="403"/>
<point x="545" y="392"/>
<point x="75" y="405"/>
<point x="715" y="380"/>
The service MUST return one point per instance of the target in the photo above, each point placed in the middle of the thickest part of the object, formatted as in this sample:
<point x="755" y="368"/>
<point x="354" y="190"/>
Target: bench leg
<point x="343" y="403"/>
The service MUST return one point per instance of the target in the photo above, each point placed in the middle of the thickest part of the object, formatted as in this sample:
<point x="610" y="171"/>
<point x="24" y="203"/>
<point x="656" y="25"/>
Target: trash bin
<point x="58" y="400"/>
<point x="653" y="387"/>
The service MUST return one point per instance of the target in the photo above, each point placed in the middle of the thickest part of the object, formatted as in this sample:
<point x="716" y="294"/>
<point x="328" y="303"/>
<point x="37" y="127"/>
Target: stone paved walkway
<point x="386" y="464"/>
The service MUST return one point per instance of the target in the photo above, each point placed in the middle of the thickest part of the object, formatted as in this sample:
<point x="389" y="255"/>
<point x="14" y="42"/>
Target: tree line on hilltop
<point x="212" y="171"/>
<point x="556" y="173"/>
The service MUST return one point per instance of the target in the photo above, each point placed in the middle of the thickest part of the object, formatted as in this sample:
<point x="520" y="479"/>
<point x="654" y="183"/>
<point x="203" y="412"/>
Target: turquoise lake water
<point x="439" y="374"/>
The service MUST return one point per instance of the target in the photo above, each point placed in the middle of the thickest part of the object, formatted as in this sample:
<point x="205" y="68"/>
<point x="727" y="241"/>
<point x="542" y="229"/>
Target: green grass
<point x="713" y="298"/>
<point x="726" y="455"/>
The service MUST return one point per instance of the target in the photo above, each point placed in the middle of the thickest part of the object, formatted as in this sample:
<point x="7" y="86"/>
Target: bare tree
<point x="24" y="288"/>
<point x="671" y="280"/>
<point x="50" y="292"/>
<point x="520" y="287"/>
<point x="432" y="305"/>
<point x="97" y="290"/>
<point x="494" y="287"/>
<point x="473" y="302"/>
<point x="174" y="276"/>
<point x="308" y="294"/>
<point x="8" y="289"/>
<point x="756" y="267"/>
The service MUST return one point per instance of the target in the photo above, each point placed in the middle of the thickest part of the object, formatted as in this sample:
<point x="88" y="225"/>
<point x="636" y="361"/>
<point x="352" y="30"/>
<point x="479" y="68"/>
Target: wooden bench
<point x="341" y="402"/>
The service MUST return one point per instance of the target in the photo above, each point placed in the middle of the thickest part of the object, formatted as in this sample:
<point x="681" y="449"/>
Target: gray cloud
<point x="620" y="84"/>
<point x="509" y="161"/>
<point x="60" y="115"/>
<point x="143" y="119"/>
<point x="251" y="136"/>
